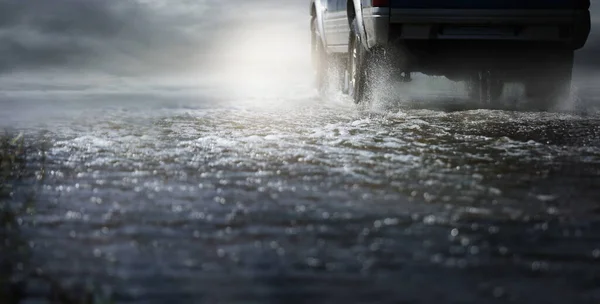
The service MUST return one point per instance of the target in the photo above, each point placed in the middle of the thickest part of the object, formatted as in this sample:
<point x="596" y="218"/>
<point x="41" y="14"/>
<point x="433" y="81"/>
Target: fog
<point x="133" y="37"/>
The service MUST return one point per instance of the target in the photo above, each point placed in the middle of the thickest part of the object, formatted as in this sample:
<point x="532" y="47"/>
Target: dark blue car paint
<point x="574" y="12"/>
<point x="491" y="4"/>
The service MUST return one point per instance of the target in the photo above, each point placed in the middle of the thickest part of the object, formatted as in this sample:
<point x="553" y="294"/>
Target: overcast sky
<point x="132" y="36"/>
<point x="120" y="36"/>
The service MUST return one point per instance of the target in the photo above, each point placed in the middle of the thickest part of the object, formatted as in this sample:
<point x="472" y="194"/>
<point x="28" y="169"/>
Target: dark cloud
<point x="119" y="36"/>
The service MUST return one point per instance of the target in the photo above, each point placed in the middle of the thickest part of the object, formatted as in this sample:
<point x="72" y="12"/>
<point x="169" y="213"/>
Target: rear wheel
<point x="358" y="67"/>
<point x="328" y="68"/>
<point x="485" y="88"/>
<point x="548" y="79"/>
<point x="319" y="57"/>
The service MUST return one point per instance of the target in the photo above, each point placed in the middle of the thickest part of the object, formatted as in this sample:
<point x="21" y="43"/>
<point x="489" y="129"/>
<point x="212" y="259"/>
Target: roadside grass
<point x="17" y="268"/>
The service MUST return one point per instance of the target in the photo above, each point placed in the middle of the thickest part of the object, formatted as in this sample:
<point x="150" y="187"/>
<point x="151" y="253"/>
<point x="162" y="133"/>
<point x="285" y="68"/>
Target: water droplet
<point x="177" y="209"/>
<point x="429" y="220"/>
<point x="454" y="232"/>
<point x="495" y="191"/>
<point x="73" y="215"/>
<point x="546" y="198"/>
<point x="428" y="197"/>
<point x="197" y="215"/>
<point x="391" y="221"/>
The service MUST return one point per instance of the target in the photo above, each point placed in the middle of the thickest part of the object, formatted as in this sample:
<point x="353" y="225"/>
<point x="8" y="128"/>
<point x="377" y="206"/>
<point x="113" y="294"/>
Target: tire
<point x="358" y="67"/>
<point x="318" y="57"/>
<point x="325" y="65"/>
<point x="485" y="88"/>
<point x="548" y="80"/>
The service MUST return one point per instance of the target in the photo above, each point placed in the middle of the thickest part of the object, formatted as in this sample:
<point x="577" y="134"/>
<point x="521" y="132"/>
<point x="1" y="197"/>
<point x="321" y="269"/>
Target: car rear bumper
<point x="564" y="27"/>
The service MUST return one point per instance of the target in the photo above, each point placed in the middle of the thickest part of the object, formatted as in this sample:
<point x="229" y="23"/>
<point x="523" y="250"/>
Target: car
<point x="487" y="44"/>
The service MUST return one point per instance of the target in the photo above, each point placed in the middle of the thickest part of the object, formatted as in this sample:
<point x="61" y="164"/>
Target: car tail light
<point x="381" y="3"/>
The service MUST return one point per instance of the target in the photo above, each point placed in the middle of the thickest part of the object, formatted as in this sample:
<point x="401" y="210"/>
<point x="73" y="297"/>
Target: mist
<point x="131" y="37"/>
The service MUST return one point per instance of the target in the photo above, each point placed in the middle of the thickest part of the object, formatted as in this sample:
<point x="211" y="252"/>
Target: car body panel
<point x="565" y="22"/>
<point x="490" y="4"/>
<point x="334" y="25"/>
<point x="567" y="27"/>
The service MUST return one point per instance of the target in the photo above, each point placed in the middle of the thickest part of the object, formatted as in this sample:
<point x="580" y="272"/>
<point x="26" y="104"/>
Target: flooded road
<point x="209" y="197"/>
